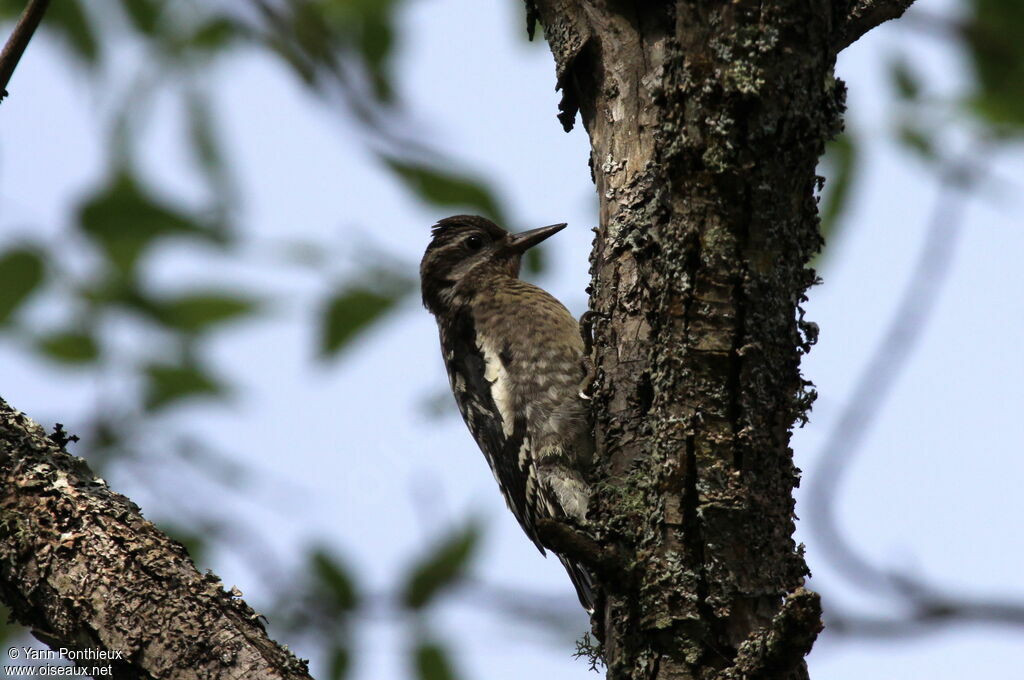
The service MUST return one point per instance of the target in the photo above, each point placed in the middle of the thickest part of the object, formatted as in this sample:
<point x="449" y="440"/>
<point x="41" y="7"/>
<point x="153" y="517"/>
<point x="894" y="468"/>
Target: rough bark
<point x="82" y="568"/>
<point x="706" y="121"/>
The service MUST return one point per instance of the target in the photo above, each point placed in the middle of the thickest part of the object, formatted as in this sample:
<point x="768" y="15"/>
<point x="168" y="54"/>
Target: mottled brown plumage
<point x="515" y="359"/>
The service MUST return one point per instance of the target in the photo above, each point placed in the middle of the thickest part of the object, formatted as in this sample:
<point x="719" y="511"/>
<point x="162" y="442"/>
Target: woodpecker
<point x="515" y="360"/>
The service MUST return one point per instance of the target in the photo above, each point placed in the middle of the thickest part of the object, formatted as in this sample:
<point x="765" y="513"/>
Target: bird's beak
<point x="521" y="242"/>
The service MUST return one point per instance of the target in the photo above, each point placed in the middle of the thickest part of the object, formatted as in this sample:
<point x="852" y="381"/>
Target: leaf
<point x="375" y="44"/>
<point x="445" y="188"/>
<point x="21" y="272"/>
<point x="71" y="347"/>
<point x="432" y="662"/>
<point x="197" y="312"/>
<point x="917" y="139"/>
<point x="336" y="581"/>
<point x="904" y="80"/>
<point x="341" y="661"/>
<point x="144" y="14"/>
<point x="194" y="542"/>
<point x="67" y="18"/>
<point x="207" y="149"/>
<point x="997" y="53"/>
<point x="353" y="309"/>
<point x="124" y="223"/>
<point x="214" y="35"/>
<point x="312" y="32"/>
<point x="535" y="259"/>
<point x="168" y="383"/>
<point x="9" y="9"/>
<point x="441" y="568"/>
<point x="842" y="160"/>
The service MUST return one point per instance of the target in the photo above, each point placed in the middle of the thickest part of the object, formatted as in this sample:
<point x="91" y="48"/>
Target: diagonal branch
<point x="82" y="567"/>
<point x="879" y="377"/>
<point x="927" y="608"/>
<point x="18" y="41"/>
<point x="865" y="15"/>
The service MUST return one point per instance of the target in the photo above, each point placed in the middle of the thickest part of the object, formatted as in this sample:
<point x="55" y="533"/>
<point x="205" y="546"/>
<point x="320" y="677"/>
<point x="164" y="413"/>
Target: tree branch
<point x="865" y="15"/>
<point x="927" y="608"/>
<point x="883" y="369"/>
<point x="930" y="612"/>
<point x="18" y="41"/>
<point x="774" y="650"/>
<point x="606" y="561"/>
<point x="82" y="567"/>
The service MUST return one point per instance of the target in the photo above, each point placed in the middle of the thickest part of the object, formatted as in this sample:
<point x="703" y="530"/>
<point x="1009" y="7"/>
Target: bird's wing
<point x="505" y="444"/>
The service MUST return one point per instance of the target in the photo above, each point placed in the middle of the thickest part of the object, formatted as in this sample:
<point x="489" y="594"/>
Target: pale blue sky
<point x="352" y="461"/>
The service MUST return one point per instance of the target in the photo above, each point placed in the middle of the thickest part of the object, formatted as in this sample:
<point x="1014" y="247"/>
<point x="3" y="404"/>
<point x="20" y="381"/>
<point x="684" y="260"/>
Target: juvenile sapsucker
<point x="515" y="360"/>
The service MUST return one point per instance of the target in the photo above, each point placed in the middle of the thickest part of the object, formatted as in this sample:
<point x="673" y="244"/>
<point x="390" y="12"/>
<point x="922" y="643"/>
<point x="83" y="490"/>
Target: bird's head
<point x="463" y="244"/>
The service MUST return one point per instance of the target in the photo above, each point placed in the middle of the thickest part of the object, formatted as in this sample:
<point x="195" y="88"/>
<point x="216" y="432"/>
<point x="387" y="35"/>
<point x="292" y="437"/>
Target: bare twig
<point x="18" y="41"/>
<point x="926" y="606"/>
<point x="927" y="614"/>
<point x="865" y="15"/>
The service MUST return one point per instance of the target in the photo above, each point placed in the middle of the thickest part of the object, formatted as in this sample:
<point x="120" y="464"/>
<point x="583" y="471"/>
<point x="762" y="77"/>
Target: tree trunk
<point x="706" y="121"/>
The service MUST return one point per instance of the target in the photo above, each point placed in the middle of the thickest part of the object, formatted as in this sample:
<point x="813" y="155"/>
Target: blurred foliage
<point x="353" y="307"/>
<point x="124" y="223"/>
<point x="989" y="37"/>
<point x="323" y="606"/>
<point x="342" y="51"/>
<point x="441" y="567"/>
<point x="72" y="347"/>
<point x="446" y="189"/>
<point x="21" y="273"/>
<point x="992" y="39"/>
<point x="168" y="383"/>
<point x="432" y="662"/>
<point x="840" y="165"/>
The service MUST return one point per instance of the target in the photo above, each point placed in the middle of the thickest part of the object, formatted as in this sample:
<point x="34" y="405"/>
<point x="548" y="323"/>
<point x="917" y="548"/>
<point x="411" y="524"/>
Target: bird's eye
<point x="474" y="242"/>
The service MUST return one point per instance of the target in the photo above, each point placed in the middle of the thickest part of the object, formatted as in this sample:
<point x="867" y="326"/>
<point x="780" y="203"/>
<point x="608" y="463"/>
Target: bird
<point x="516" y="364"/>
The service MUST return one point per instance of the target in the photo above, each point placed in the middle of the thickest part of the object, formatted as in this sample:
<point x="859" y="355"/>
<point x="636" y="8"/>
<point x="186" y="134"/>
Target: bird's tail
<point x="584" y="582"/>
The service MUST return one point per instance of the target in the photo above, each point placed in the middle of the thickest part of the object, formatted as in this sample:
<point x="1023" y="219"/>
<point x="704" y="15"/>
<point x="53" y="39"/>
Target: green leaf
<point x="71" y="347"/>
<point x="169" y="383"/>
<point x="67" y="18"/>
<point x="144" y="14"/>
<point x="214" y="35"/>
<point x="312" y="32"/>
<point x="904" y="80"/>
<point x="207" y="150"/>
<point x="535" y="259"/>
<point x="21" y="272"/>
<point x="997" y="53"/>
<point x="841" y="160"/>
<point x="375" y="44"/>
<point x="336" y="582"/>
<point x="354" y="308"/>
<point x="341" y="661"/>
<point x="124" y="223"/>
<point x="432" y="662"/>
<point x="9" y="9"/>
<point x="194" y="542"/>
<point x="444" y="188"/>
<point x="917" y="139"/>
<point x="441" y="568"/>
<point x="197" y="312"/>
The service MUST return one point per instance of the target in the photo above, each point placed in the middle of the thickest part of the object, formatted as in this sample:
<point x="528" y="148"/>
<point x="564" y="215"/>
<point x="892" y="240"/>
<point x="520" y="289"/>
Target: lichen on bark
<point x="82" y="568"/>
<point x="706" y="121"/>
